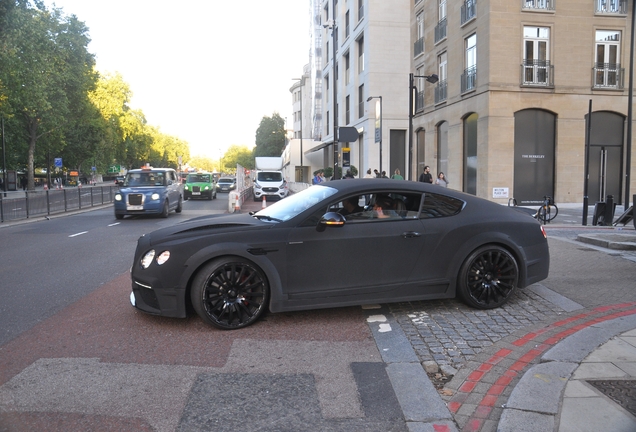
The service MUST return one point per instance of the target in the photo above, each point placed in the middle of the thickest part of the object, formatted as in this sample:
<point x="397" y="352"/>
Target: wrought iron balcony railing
<point x="538" y="4"/>
<point x="418" y="47"/>
<point x="469" y="79"/>
<point x="468" y="11"/>
<point x="611" y="7"/>
<point x="608" y="76"/>
<point x="441" y="91"/>
<point x="440" y="30"/>
<point x="537" y="73"/>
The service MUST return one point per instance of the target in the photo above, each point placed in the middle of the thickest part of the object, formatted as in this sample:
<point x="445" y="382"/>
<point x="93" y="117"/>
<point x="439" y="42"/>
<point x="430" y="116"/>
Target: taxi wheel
<point x="164" y="212"/>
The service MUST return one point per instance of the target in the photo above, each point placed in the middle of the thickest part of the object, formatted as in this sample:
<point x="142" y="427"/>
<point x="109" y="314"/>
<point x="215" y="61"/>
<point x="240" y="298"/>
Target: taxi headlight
<point x="154" y="196"/>
<point x="186" y="187"/>
<point x="118" y="197"/>
<point x="147" y="259"/>
<point x="207" y="187"/>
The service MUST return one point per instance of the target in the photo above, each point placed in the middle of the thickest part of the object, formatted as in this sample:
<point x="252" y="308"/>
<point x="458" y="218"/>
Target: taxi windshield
<point x="198" y="178"/>
<point x="145" y="179"/>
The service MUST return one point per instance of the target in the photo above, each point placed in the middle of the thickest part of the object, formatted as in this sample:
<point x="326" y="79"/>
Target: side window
<point x="437" y="205"/>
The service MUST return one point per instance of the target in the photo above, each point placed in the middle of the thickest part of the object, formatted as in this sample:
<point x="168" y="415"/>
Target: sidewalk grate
<point x="623" y="392"/>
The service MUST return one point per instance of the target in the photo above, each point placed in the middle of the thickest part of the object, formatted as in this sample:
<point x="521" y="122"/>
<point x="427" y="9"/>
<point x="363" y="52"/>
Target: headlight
<point x="154" y="196"/>
<point x="257" y="186"/>
<point x="207" y="187"/>
<point x="118" y="197"/>
<point x="147" y="259"/>
<point x="163" y="257"/>
<point x="186" y="187"/>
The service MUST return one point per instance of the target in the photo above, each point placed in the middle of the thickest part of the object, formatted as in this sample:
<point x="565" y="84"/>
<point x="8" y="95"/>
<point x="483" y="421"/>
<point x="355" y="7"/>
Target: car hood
<point x="140" y="189"/>
<point x="206" y="225"/>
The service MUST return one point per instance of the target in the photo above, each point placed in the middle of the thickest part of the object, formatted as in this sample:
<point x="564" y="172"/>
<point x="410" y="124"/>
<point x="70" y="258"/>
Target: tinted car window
<point x="437" y="205"/>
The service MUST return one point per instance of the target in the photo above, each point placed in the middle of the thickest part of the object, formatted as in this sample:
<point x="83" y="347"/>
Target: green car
<point x="200" y="185"/>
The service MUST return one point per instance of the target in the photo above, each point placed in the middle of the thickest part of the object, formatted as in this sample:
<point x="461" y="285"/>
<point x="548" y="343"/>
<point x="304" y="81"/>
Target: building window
<point x="440" y="28"/>
<point x="537" y="70"/>
<point x="419" y="92"/>
<point x="468" y="11"/>
<point x="538" y="4"/>
<point x="327" y="89"/>
<point x="347" y="68"/>
<point x="361" y="101"/>
<point x="607" y="68"/>
<point x="347" y="110"/>
<point x="347" y="26"/>
<point x="611" y="6"/>
<point x="360" y="10"/>
<point x="441" y="89"/>
<point x="418" y="47"/>
<point x="360" y="55"/>
<point x="469" y="78"/>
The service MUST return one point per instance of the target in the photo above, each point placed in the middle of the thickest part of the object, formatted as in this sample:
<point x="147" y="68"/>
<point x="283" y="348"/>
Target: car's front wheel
<point x="230" y="293"/>
<point x="165" y="210"/>
<point x="488" y="277"/>
<point x="179" y="206"/>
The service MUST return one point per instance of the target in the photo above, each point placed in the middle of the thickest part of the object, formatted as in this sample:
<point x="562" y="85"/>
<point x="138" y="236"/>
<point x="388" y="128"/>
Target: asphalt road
<point x="76" y="356"/>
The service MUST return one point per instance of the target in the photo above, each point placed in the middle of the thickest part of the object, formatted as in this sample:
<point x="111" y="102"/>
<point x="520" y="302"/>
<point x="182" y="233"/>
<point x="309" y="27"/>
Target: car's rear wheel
<point x="179" y="206"/>
<point x="230" y="293"/>
<point x="488" y="277"/>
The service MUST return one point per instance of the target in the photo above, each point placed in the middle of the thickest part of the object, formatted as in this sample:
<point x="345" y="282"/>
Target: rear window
<point x="437" y="205"/>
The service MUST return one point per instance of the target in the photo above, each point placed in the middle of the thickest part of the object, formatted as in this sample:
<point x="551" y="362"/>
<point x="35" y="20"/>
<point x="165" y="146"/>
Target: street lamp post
<point x="378" y="130"/>
<point x="432" y="79"/>
<point x="302" y="170"/>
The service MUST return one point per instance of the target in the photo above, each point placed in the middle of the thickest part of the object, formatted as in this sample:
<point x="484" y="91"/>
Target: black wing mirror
<point x="331" y="219"/>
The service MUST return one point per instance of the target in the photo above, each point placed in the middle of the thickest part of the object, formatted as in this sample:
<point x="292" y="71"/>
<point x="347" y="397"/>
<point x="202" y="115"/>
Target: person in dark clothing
<point x="426" y="176"/>
<point x="24" y="182"/>
<point x="350" y="206"/>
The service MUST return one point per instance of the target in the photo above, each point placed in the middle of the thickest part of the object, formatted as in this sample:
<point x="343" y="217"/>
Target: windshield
<point x="199" y="178"/>
<point x="226" y="180"/>
<point x="295" y="204"/>
<point x="270" y="176"/>
<point x="144" y="179"/>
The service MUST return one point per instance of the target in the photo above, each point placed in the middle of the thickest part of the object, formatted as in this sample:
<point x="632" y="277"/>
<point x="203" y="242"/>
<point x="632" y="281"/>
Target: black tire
<point x="230" y="293"/>
<point x="488" y="277"/>
<point x="119" y="216"/>
<point x="165" y="210"/>
<point x="179" y="206"/>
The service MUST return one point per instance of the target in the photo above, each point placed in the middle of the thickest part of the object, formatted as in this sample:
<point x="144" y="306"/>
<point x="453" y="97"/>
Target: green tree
<point x="204" y="163"/>
<point x="270" y="136"/>
<point x="46" y="73"/>
<point x="237" y="155"/>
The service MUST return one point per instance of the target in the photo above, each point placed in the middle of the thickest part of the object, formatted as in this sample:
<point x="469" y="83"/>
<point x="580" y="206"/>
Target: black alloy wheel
<point x="488" y="277"/>
<point x="230" y="293"/>
<point x="165" y="210"/>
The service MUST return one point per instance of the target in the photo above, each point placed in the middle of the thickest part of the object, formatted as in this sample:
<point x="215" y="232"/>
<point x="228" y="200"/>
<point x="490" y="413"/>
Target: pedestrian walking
<point x="426" y="176"/>
<point x="396" y="175"/>
<point x="441" y="180"/>
<point x="368" y="174"/>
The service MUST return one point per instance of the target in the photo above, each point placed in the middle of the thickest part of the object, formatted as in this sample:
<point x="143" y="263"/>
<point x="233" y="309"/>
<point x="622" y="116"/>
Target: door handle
<point x="411" y="234"/>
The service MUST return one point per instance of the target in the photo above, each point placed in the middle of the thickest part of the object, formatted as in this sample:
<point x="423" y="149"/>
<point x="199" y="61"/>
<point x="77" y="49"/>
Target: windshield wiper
<point x="266" y="217"/>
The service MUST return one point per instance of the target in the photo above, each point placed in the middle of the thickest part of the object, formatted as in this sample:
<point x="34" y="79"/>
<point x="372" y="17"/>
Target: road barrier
<point x="29" y="204"/>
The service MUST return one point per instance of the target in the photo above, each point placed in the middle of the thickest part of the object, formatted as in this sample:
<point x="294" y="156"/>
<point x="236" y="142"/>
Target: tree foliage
<point x="234" y="155"/>
<point x="270" y="136"/>
<point x="55" y="103"/>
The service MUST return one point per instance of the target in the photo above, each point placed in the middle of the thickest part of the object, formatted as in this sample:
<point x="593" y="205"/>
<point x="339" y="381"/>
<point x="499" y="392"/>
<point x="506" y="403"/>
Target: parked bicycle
<point x="548" y="210"/>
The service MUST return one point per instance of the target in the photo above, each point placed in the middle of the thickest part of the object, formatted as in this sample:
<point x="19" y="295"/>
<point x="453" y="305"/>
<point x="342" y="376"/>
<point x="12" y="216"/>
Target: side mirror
<point x="331" y="219"/>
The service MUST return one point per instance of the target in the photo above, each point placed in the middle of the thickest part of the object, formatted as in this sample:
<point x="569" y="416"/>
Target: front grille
<point x="135" y="199"/>
<point x="148" y="296"/>
<point x="269" y="189"/>
<point x="196" y="188"/>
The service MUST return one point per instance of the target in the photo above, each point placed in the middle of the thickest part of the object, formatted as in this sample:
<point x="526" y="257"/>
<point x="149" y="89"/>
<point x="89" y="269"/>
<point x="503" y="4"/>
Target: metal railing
<point x="28" y="204"/>
<point x="538" y="4"/>
<point x="608" y="76"/>
<point x="468" y="11"/>
<point x="469" y="79"/>
<point x="440" y="30"/>
<point x="611" y="6"/>
<point x="418" y="47"/>
<point x="537" y="73"/>
<point x="441" y="91"/>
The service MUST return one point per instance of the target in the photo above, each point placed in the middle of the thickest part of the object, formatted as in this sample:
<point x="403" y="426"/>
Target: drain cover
<point x="623" y="392"/>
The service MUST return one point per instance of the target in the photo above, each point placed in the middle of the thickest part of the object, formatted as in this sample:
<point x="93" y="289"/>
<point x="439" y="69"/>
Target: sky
<point x="205" y="71"/>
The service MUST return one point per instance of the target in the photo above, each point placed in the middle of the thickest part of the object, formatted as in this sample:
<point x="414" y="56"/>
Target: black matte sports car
<point x="341" y="243"/>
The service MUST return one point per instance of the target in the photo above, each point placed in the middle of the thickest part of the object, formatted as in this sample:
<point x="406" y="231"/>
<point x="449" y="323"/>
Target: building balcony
<point x="469" y="79"/>
<point x="418" y="47"/>
<point x="537" y="73"/>
<point x="618" y="7"/>
<point x="440" y="30"/>
<point x="441" y="92"/>
<point x="608" y="76"/>
<point x="468" y="11"/>
<point x="419" y="102"/>
<point x="548" y="5"/>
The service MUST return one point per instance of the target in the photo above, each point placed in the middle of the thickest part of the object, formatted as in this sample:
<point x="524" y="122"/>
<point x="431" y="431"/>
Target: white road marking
<point x="78" y="234"/>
